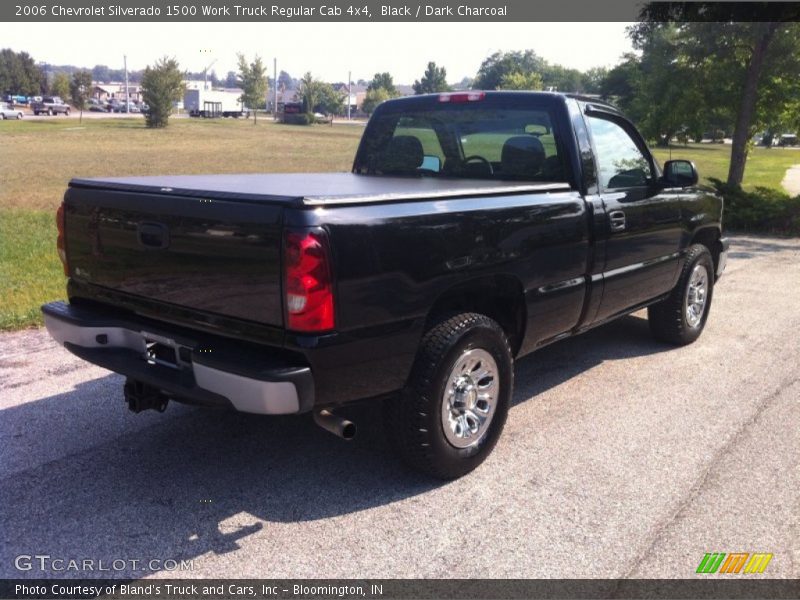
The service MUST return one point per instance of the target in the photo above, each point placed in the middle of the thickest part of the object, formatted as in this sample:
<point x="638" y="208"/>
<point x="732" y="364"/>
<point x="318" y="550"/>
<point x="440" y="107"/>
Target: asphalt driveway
<point x="622" y="457"/>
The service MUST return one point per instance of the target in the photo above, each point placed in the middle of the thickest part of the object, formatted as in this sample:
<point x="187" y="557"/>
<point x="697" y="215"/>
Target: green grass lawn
<point x="765" y="166"/>
<point x="30" y="271"/>
<point x="38" y="158"/>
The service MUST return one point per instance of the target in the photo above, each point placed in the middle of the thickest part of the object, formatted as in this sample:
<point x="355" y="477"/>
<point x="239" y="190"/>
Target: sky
<point x="328" y="50"/>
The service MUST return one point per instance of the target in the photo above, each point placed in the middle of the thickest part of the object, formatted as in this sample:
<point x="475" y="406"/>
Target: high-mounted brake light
<point x="61" y="240"/>
<point x="462" y="97"/>
<point x="308" y="283"/>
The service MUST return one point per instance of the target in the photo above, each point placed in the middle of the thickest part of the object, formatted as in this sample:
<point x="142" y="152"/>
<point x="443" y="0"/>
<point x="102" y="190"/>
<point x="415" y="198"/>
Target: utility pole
<point x="205" y="74"/>
<point x="349" y="92"/>
<point x="127" y="95"/>
<point x="275" y="91"/>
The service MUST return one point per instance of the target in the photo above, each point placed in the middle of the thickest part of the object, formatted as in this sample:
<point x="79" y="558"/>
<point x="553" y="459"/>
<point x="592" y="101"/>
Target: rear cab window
<point x="466" y="140"/>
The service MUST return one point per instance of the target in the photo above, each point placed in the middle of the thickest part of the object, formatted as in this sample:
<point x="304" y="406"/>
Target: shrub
<point x="764" y="209"/>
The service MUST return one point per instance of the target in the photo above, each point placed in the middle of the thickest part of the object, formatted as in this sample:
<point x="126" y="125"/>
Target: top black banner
<point x="390" y="10"/>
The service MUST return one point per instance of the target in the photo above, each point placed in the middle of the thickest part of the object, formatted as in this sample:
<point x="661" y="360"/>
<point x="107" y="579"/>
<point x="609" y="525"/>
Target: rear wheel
<point x="681" y="317"/>
<point x="452" y="411"/>
<point x="66" y="113"/>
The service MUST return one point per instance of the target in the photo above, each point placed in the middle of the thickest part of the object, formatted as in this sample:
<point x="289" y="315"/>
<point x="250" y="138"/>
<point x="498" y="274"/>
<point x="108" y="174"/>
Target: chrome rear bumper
<point x="188" y="366"/>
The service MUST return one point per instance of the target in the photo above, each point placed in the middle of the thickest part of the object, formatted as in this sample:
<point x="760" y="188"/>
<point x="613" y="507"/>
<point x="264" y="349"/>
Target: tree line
<point x="686" y="79"/>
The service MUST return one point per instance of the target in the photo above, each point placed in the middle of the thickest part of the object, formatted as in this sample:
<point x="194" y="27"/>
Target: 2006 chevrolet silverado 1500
<point x="474" y="228"/>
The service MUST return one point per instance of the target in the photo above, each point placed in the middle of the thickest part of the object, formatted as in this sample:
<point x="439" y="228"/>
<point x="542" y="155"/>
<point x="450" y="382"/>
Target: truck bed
<point x="312" y="189"/>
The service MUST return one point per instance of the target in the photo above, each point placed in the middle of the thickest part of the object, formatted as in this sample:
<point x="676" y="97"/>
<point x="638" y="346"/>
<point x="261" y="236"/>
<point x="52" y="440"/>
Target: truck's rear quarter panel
<point x="394" y="260"/>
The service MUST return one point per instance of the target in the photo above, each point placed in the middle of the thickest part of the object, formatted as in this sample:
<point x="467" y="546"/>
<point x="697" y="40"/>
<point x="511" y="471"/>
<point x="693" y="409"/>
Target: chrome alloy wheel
<point x="696" y="296"/>
<point x="469" y="399"/>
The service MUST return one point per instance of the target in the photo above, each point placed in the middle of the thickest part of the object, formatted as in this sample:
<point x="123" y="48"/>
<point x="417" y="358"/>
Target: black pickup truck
<point x="474" y="228"/>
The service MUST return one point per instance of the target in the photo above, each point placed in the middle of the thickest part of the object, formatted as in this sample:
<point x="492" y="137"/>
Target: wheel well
<point x="709" y="237"/>
<point x="499" y="298"/>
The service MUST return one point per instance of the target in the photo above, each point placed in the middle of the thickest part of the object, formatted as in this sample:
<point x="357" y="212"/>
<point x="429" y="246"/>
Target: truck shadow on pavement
<point x="98" y="482"/>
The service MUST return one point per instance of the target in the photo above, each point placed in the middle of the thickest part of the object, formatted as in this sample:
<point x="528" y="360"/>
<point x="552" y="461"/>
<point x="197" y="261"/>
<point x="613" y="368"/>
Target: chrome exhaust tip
<point x="336" y="425"/>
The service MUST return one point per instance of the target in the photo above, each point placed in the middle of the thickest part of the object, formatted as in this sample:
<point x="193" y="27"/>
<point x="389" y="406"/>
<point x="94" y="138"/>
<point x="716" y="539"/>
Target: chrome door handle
<point x="616" y="219"/>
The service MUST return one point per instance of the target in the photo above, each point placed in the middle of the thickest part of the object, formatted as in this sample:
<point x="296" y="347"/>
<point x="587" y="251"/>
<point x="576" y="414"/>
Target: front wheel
<point x="66" y="113"/>
<point x="452" y="411"/>
<point x="680" y="318"/>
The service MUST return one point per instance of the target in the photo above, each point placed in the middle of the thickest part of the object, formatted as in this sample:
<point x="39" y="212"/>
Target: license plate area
<point x="160" y="350"/>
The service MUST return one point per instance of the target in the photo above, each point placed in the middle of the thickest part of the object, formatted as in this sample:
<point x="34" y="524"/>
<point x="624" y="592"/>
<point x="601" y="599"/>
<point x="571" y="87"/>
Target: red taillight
<point x="462" y="97"/>
<point x="60" y="240"/>
<point x="308" y="284"/>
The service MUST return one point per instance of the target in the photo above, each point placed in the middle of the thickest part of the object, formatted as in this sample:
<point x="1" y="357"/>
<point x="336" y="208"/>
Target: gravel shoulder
<point x="622" y="457"/>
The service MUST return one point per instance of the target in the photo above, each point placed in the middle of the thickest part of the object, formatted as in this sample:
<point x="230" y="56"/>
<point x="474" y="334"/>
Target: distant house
<point x="357" y="94"/>
<point x="105" y="92"/>
<point x="284" y="96"/>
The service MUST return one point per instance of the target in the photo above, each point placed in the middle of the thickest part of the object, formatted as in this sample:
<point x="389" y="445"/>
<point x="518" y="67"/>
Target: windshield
<point x="465" y="141"/>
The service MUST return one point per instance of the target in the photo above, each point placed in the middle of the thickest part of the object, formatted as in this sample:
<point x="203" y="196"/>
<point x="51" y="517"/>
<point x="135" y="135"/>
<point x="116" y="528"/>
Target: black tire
<point x="414" y="420"/>
<point x="66" y="113"/>
<point x="668" y="318"/>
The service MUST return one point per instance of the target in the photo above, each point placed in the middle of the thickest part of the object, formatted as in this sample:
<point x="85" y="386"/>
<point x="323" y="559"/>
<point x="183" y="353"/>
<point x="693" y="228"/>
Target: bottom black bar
<point x="735" y="587"/>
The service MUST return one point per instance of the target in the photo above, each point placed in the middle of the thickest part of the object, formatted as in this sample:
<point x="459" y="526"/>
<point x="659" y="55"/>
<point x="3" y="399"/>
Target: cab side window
<point x="620" y="163"/>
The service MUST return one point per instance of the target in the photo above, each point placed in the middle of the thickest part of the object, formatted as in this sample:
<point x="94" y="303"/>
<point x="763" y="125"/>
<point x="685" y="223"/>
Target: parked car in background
<point x="118" y="106"/>
<point x="50" y="105"/>
<point x="15" y="100"/>
<point x="96" y="105"/>
<point x="8" y="112"/>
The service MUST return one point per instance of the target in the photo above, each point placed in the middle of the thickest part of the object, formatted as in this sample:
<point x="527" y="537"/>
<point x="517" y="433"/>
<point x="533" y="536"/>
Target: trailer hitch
<point x="141" y="396"/>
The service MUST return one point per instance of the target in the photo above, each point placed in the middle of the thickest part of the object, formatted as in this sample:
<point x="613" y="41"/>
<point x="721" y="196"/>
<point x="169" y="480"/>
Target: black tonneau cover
<point x="313" y="189"/>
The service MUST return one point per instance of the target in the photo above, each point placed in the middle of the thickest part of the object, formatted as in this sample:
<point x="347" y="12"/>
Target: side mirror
<point x="680" y="173"/>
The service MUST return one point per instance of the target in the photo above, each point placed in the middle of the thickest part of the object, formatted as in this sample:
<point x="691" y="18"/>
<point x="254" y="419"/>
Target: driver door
<point x="642" y="220"/>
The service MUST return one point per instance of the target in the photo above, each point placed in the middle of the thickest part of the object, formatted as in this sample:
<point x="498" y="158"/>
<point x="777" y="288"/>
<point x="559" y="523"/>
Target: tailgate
<point x="218" y="256"/>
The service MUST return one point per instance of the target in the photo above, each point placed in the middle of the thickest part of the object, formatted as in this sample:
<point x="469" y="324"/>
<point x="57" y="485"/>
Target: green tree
<point x="19" y="73"/>
<point x="308" y="92"/>
<point x="231" y="80"/>
<point x="433" y="80"/>
<point x="373" y="99"/>
<point x="253" y="81"/>
<point x="162" y="86"/>
<point x="286" y="81"/>
<point x="329" y="101"/>
<point x="747" y="69"/>
<point x="622" y="83"/>
<point x="521" y="81"/>
<point x="669" y="94"/>
<point x="383" y="81"/>
<point x="500" y="64"/>
<point x="80" y="88"/>
<point x="562" y="79"/>
<point x="593" y="79"/>
<point x="60" y="86"/>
